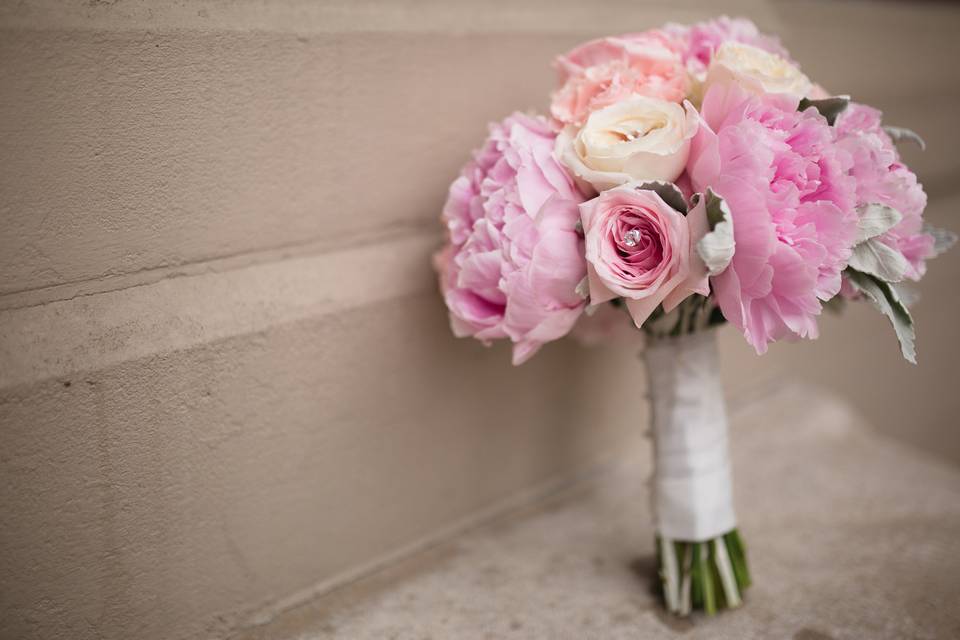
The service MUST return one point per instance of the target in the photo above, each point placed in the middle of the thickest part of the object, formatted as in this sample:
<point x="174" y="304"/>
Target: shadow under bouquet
<point x="688" y="176"/>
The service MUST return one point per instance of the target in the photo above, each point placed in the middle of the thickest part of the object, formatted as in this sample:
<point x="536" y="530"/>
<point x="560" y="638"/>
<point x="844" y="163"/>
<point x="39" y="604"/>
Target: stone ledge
<point x="850" y="535"/>
<point x="91" y="332"/>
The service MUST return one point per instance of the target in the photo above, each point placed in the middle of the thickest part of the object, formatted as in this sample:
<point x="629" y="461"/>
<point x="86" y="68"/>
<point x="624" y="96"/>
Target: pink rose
<point x="513" y="258"/>
<point x="603" y="72"/>
<point x="787" y="185"/>
<point x="642" y="249"/>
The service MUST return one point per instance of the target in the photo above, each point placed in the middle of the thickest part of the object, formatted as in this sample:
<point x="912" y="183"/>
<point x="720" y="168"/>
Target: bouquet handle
<point x="701" y="557"/>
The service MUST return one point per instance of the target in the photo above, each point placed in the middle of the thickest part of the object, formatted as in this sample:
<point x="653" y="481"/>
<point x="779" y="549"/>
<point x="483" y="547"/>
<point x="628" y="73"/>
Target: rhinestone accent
<point x="631" y="238"/>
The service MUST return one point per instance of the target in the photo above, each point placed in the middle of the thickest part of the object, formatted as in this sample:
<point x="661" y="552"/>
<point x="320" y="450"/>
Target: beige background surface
<point x="226" y="381"/>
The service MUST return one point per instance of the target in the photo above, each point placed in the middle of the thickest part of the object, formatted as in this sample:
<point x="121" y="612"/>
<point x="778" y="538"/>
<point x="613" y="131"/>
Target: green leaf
<point x="716" y="248"/>
<point x="829" y="108"/>
<point x="886" y="299"/>
<point x="668" y="192"/>
<point x="943" y="239"/>
<point x="875" y="219"/>
<point x="902" y="133"/>
<point x="880" y="260"/>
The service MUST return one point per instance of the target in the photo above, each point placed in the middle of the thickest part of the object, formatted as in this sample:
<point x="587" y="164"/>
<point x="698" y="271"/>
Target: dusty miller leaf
<point x="898" y="134"/>
<point x="907" y="294"/>
<point x="880" y="260"/>
<point x="874" y="220"/>
<point x="583" y="288"/>
<point x="829" y="108"/>
<point x="943" y="239"/>
<point x="885" y="298"/>
<point x="668" y="192"/>
<point x="716" y="248"/>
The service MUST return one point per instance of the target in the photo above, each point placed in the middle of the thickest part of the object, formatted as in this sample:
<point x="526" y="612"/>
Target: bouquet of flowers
<point x="689" y="176"/>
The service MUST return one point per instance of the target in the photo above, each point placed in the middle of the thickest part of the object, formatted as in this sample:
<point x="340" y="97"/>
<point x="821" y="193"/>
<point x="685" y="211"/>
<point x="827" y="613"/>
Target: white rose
<point x="756" y="70"/>
<point x="638" y="138"/>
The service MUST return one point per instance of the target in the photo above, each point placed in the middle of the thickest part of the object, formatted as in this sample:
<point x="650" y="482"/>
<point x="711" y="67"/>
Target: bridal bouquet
<point x="689" y="176"/>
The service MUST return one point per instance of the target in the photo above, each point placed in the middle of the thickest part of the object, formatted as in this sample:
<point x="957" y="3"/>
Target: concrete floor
<point x="850" y="535"/>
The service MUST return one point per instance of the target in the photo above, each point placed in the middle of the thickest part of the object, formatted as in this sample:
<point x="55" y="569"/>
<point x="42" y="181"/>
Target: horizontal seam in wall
<point x="26" y="298"/>
<point x="65" y="337"/>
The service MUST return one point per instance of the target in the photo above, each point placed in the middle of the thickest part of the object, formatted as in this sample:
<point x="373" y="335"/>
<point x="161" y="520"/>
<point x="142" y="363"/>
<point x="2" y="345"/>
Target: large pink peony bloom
<point x="701" y="40"/>
<point x="788" y="187"/>
<point x="605" y="71"/>
<point x="881" y="177"/>
<point x="514" y="259"/>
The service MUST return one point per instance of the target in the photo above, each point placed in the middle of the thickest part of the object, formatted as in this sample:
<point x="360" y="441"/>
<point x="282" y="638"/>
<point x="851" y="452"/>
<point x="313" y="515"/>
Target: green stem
<point x="706" y="575"/>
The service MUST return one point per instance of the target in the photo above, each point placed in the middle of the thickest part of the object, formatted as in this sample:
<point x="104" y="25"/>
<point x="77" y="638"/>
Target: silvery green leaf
<point x="880" y="260"/>
<point x="875" y="219"/>
<point x="717" y="209"/>
<point x="668" y="192"/>
<point x="885" y="298"/>
<point x="943" y="239"/>
<point x="902" y="133"/>
<point x="907" y="294"/>
<point x="716" y="248"/>
<point x="578" y="227"/>
<point x="829" y="108"/>
<point x="583" y="288"/>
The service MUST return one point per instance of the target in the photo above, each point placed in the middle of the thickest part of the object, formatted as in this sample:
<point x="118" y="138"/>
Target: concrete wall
<point x="226" y="380"/>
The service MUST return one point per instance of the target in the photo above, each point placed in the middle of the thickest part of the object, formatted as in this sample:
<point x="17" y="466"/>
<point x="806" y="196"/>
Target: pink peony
<point x="881" y="177"/>
<point x="605" y="71"/>
<point x="514" y="259"/>
<point x="701" y="40"/>
<point x="642" y="249"/>
<point x="788" y="187"/>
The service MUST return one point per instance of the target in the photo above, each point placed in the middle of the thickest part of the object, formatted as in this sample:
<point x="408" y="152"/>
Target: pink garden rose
<point x="605" y="71"/>
<point x="788" y="186"/>
<point x="701" y="41"/>
<point x="882" y="178"/>
<point x="514" y="258"/>
<point x="640" y="248"/>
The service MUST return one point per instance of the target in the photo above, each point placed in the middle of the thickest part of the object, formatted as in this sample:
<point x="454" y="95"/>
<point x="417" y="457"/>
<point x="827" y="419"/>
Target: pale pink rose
<point x="640" y="248"/>
<point x="701" y="41"/>
<point x="605" y="71"/>
<point x="639" y="138"/>
<point x="757" y="71"/>
<point x="882" y="178"/>
<point x="787" y="184"/>
<point x="513" y="258"/>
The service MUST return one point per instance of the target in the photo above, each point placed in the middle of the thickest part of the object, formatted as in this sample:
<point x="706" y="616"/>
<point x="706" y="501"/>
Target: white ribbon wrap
<point x="692" y="490"/>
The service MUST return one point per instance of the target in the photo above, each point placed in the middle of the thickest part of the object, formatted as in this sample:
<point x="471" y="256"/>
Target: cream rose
<point x="639" y="138"/>
<point x="756" y="70"/>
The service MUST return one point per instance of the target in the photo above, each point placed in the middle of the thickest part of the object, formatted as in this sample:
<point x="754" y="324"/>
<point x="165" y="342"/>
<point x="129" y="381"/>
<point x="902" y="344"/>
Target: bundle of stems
<point x="707" y="576"/>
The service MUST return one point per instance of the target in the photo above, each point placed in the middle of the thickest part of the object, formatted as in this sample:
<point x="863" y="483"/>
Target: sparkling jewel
<point x="631" y="238"/>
